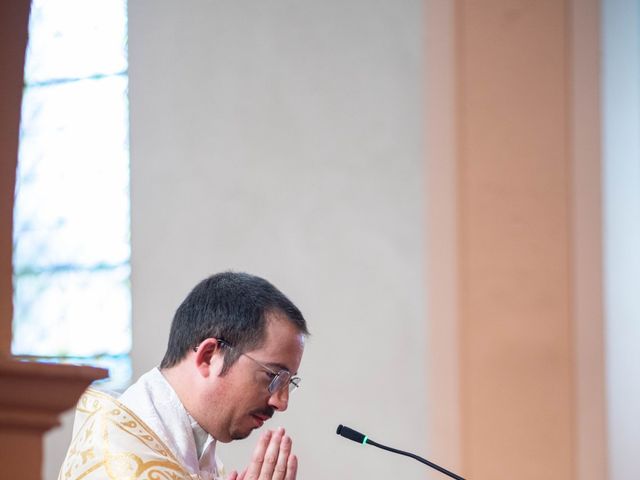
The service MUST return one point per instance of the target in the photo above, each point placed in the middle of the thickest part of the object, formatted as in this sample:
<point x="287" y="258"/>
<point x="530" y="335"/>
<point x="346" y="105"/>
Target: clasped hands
<point x="272" y="459"/>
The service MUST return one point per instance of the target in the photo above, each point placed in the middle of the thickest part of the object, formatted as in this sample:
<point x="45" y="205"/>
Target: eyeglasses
<point x="279" y="380"/>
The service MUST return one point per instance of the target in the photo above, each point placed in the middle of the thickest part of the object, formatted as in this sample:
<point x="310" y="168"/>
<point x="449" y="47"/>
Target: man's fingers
<point x="272" y="459"/>
<point x="292" y="468"/>
<point x="233" y="476"/>
<point x="271" y="455"/>
<point x="253" y="470"/>
<point x="283" y="457"/>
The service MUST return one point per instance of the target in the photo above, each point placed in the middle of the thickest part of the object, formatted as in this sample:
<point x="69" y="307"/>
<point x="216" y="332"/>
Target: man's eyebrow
<point x="277" y="366"/>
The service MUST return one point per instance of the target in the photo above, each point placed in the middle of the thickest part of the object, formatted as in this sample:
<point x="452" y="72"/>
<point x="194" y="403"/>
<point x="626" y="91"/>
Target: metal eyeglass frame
<point x="280" y="379"/>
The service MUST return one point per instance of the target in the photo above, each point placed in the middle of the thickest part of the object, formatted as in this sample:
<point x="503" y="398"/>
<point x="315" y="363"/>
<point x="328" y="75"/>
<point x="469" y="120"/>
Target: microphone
<point x="358" y="437"/>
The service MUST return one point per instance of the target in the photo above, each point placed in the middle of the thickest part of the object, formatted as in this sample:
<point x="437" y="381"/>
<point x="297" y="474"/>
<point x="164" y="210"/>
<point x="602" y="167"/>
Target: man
<point x="234" y="349"/>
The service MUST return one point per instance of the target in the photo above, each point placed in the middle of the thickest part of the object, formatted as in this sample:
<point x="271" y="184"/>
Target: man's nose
<point x="280" y="400"/>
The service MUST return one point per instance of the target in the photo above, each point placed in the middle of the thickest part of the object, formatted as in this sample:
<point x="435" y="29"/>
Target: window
<point x="621" y="189"/>
<point x="71" y="252"/>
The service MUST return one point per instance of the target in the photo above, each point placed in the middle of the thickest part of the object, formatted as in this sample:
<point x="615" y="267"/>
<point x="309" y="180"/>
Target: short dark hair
<point x="232" y="306"/>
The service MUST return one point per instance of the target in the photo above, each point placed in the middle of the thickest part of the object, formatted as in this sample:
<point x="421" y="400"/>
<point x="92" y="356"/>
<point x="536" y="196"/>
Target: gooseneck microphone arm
<point x="364" y="440"/>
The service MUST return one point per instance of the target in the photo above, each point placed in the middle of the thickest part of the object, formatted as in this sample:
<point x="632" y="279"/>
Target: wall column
<point x="516" y="302"/>
<point x="14" y="17"/>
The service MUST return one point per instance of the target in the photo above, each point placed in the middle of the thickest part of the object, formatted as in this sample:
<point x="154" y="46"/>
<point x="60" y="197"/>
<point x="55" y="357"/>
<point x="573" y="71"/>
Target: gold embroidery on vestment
<point x="106" y="440"/>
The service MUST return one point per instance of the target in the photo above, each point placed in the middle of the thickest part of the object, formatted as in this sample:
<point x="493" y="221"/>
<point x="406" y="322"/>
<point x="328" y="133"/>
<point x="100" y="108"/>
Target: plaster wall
<point x="285" y="139"/>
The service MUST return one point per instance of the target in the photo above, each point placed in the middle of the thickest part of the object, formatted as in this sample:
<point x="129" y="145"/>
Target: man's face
<point x="241" y="396"/>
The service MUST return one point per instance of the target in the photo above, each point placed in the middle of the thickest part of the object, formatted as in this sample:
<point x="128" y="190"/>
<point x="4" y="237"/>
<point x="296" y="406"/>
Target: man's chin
<point x="241" y="434"/>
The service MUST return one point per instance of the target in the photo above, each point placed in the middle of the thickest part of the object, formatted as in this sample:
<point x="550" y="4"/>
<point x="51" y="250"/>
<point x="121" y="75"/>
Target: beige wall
<point x="587" y="260"/>
<point x="286" y="140"/>
<point x="517" y="366"/>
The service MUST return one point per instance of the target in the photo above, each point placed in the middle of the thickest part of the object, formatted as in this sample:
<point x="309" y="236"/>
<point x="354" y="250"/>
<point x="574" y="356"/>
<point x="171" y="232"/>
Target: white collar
<point x="154" y="400"/>
<point x="202" y="438"/>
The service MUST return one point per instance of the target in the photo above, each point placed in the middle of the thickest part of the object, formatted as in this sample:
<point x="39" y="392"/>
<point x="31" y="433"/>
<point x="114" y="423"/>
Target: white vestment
<point x="146" y="434"/>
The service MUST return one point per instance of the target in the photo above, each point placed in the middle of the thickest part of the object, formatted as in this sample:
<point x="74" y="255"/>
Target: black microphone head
<point x="351" y="434"/>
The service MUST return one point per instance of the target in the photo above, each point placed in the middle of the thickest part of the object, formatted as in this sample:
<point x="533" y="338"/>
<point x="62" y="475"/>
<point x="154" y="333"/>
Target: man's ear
<point x="209" y="356"/>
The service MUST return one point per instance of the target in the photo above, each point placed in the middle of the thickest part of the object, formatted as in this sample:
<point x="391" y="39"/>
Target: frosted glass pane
<point x="120" y="371"/>
<point x="74" y="313"/>
<point x="72" y="197"/>
<point x="75" y="39"/>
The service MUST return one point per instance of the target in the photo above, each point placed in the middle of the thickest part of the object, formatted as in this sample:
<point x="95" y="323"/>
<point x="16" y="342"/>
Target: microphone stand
<point x="364" y="440"/>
